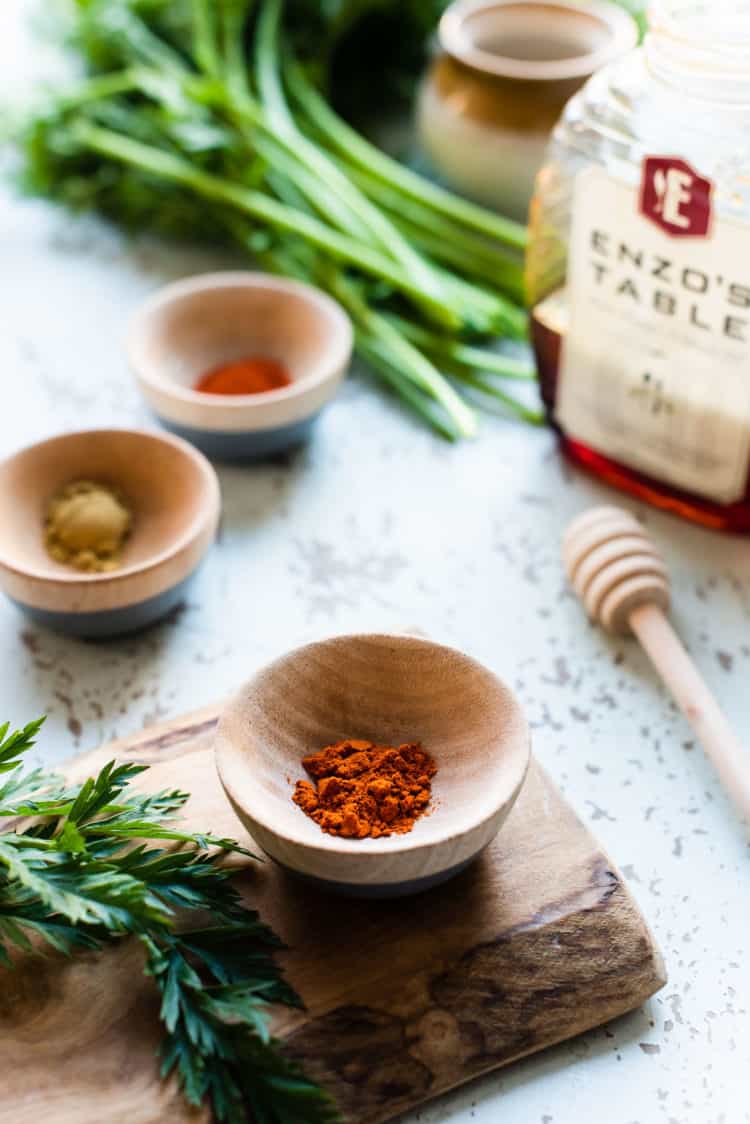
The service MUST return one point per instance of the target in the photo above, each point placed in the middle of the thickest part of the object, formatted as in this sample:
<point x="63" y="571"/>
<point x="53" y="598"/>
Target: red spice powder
<point x="253" y="375"/>
<point x="365" y="789"/>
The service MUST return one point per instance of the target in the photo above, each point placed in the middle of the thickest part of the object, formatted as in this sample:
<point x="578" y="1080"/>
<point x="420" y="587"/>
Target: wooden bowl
<point x="173" y="493"/>
<point x="191" y="326"/>
<point x="390" y="689"/>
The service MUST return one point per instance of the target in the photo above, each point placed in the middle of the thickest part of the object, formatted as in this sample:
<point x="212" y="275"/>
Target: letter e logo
<point x="675" y="197"/>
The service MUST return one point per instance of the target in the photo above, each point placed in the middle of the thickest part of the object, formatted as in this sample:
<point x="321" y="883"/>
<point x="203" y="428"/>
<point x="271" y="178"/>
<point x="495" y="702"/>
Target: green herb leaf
<point x="82" y="874"/>
<point x="13" y="746"/>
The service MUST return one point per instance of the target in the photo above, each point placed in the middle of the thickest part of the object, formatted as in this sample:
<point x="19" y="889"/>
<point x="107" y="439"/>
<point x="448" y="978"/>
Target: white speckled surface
<point x="380" y="525"/>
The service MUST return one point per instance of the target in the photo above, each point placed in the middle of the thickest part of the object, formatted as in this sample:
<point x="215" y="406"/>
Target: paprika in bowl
<point x="240" y="364"/>
<point x="365" y="700"/>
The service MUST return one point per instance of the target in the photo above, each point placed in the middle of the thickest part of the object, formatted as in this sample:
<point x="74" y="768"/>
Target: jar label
<point x="655" y="369"/>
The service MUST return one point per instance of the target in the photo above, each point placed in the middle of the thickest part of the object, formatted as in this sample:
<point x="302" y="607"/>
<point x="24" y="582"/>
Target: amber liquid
<point x="547" y="341"/>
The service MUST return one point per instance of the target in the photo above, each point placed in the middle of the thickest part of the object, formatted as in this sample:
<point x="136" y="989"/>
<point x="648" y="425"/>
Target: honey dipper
<point x="616" y="571"/>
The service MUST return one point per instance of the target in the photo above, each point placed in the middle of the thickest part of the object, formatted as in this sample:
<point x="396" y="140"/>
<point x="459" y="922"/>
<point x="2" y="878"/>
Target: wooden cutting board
<point x="536" y="942"/>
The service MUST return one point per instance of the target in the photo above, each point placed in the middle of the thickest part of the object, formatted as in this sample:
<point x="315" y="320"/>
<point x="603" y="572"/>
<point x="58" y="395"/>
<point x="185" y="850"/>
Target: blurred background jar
<point x="504" y="71"/>
<point x="638" y="268"/>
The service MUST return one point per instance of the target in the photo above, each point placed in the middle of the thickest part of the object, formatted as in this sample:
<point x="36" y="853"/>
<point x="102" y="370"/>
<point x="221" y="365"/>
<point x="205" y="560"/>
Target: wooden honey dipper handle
<point x="616" y="571"/>
<point x="730" y="758"/>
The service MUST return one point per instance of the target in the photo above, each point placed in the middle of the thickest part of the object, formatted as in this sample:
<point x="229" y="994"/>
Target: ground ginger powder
<point x="366" y="790"/>
<point x="86" y="527"/>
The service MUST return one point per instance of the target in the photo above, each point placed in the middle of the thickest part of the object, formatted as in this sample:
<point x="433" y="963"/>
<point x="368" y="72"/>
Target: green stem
<point x="144" y="44"/>
<point x="384" y="235"/>
<point x="534" y="417"/>
<point x="378" y="358"/>
<point x="205" y="46"/>
<point x="487" y="313"/>
<point x="327" y="194"/>
<point x="385" y="340"/>
<point x="265" y="59"/>
<point x="444" y="241"/>
<point x="480" y="267"/>
<point x="234" y="17"/>
<point x="259" y="206"/>
<point x="359" y="151"/>
<point x="453" y="351"/>
<point x="102" y="86"/>
<point x="441" y="229"/>
<point x="408" y="372"/>
<point x="325" y="203"/>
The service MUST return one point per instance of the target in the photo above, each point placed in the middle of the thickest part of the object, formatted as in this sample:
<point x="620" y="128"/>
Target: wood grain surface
<point x="536" y="942"/>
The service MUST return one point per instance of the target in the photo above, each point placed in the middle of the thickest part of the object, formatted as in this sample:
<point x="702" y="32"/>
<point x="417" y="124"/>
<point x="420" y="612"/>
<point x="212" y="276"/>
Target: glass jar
<point x="638" y="269"/>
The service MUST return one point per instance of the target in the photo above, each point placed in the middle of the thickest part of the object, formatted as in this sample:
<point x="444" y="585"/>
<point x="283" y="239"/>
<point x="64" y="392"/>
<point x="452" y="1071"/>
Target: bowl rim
<point x="228" y="764"/>
<point x="336" y="356"/>
<point x="453" y="38"/>
<point x="209" y="511"/>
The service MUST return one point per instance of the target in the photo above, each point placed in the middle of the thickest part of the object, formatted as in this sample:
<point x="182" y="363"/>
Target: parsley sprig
<point x="78" y="870"/>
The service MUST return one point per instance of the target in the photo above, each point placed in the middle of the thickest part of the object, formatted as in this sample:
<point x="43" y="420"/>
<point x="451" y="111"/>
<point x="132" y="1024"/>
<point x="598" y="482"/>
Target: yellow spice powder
<point x="86" y="526"/>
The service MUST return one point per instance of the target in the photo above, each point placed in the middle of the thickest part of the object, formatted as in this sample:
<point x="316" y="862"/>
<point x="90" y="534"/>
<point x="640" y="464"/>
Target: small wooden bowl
<point x="390" y="689"/>
<point x="173" y="493"/>
<point x="191" y="326"/>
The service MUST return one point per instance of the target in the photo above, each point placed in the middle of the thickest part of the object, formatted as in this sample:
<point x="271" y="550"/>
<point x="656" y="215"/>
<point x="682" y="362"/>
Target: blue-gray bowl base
<point x="246" y="446"/>
<point x="108" y="623"/>
<point x="380" y="891"/>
